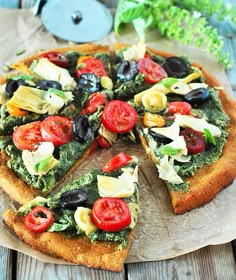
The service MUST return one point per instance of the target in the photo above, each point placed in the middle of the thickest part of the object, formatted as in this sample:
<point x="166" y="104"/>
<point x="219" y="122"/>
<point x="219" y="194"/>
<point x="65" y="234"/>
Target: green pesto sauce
<point x="214" y="114"/>
<point x="67" y="154"/>
<point x="127" y="90"/>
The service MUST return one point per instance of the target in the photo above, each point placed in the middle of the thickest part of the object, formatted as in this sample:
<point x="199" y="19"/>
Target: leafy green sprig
<point x="183" y="20"/>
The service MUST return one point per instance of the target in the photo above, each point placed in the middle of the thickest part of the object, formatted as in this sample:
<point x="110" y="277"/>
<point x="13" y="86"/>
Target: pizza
<point x="62" y="104"/>
<point x="90" y="221"/>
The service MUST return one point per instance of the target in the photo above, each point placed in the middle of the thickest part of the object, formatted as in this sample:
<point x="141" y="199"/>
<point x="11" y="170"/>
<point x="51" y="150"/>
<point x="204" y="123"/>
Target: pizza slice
<point x="90" y="221"/>
<point x="57" y="81"/>
<point x="187" y="127"/>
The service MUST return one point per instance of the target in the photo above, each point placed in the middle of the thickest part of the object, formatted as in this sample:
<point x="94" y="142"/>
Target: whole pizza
<point x="60" y="105"/>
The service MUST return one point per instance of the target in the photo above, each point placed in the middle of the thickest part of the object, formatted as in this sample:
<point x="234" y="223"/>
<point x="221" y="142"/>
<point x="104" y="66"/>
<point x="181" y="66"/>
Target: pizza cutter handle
<point x="38" y="6"/>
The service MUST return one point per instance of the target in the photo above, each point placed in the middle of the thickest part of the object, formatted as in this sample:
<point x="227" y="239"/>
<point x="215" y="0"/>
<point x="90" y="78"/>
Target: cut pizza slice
<point x="90" y="221"/>
<point x="187" y="126"/>
<point x="54" y="82"/>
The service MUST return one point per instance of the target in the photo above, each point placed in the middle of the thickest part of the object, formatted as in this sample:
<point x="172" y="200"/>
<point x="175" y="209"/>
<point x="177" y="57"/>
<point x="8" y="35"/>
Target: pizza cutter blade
<point x="78" y="21"/>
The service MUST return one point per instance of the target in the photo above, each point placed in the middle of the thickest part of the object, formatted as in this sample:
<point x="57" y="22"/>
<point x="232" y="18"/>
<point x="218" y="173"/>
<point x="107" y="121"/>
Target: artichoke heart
<point x="39" y="101"/>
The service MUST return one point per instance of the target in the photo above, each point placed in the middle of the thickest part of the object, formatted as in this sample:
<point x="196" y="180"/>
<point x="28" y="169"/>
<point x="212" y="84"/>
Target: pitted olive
<point x="127" y="70"/>
<point x="176" y="67"/>
<point x="89" y="82"/>
<point x="160" y="138"/>
<point x="197" y="96"/>
<point x="46" y="84"/>
<point x="13" y="85"/>
<point x="73" y="198"/>
<point x="82" y="130"/>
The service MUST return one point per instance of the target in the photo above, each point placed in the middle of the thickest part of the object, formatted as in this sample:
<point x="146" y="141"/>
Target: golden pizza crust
<point x="78" y="250"/>
<point x="88" y="49"/>
<point x="209" y="180"/>
<point x="17" y="189"/>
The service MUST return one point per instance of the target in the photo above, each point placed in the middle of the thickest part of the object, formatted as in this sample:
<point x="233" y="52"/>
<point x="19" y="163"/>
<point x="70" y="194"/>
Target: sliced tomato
<point x="111" y="214"/>
<point x="179" y="107"/>
<point x="103" y="142"/>
<point x="117" y="161"/>
<point x="152" y="72"/>
<point x="118" y="116"/>
<point x="57" y="58"/>
<point x="93" y="147"/>
<point x="96" y="99"/>
<point x="57" y="129"/>
<point x="91" y="65"/>
<point x="38" y="219"/>
<point x="28" y="136"/>
<point x="195" y="141"/>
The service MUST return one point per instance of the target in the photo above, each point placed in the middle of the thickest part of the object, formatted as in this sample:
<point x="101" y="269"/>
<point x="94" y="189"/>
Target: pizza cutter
<point x="78" y="21"/>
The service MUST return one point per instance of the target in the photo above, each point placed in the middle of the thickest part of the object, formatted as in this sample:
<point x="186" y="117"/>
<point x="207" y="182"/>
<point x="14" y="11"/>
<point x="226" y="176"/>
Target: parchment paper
<point x="160" y="234"/>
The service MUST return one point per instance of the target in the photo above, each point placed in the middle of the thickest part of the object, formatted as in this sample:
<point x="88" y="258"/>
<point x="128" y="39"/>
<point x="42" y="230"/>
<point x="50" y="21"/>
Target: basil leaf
<point x="209" y="138"/>
<point x="168" y="150"/>
<point x="58" y="227"/>
<point x="43" y="165"/>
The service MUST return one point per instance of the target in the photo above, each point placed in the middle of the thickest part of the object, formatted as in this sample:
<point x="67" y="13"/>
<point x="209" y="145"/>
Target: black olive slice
<point x="73" y="198"/>
<point x="197" y="96"/>
<point x="160" y="138"/>
<point x="89" y="82"/>
<point x="46" y="84"/>
<point x="176" y="67"/>
<point x="13" y="85"/>
<point x="83" y="132"/>
<point x="127" y="71"/>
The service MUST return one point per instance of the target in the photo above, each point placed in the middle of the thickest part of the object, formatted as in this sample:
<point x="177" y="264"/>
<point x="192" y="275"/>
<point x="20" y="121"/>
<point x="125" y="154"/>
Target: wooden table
<point x="211" y="262"/>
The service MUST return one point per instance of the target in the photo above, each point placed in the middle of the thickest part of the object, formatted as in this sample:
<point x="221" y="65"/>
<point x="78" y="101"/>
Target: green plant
<point x="182" y="20"/>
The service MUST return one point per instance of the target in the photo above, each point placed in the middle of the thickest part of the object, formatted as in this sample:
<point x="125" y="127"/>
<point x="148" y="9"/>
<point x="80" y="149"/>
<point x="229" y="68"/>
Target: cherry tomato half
<point x="179" y="107"/>
<point x="118" y="116"/>
<point x="152" y="72"/>
<point x="91" y="65"/>
<point x="57" y="129"/>
<point x="28" y="136"/>
<point x="57" y="58"/>
<point x="195" y="141"/>
<point x="117" y="161"/>
<point x="38" y="219"/>
<point x="96" y="99"/>
<point x="103" y="142"/>
<point x="111" y="214"/>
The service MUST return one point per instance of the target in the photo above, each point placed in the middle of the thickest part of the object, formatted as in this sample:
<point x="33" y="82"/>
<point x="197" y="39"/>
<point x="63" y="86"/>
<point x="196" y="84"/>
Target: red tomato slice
<point x="57" y="58"/>
<point x="92" y="65"/>
<point x="96" y="99"/>
<point x="118" y="116"/>
<point x="117" y="161"/>
<point x="111" y="214"/>
<point x="195" y="141"/>
<point x="103" y="142"/>
<point x="57" y="129"/>
<point x="152" y="71"/>
<point x="179" y="107"/>
<point x="28" y="136"/>
<point x="93" y="147"/>
<point x="39" y="219"/>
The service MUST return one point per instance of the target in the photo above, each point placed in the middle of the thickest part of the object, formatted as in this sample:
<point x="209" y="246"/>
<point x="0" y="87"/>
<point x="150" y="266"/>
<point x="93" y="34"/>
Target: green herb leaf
<point x="182" y="20"/>
<point x="43" y="165"/>
<point x="168" y="150"/>
<point x="19" y="52"/>
<point x="57" y="92"/>
<point x="209" y="138"/>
